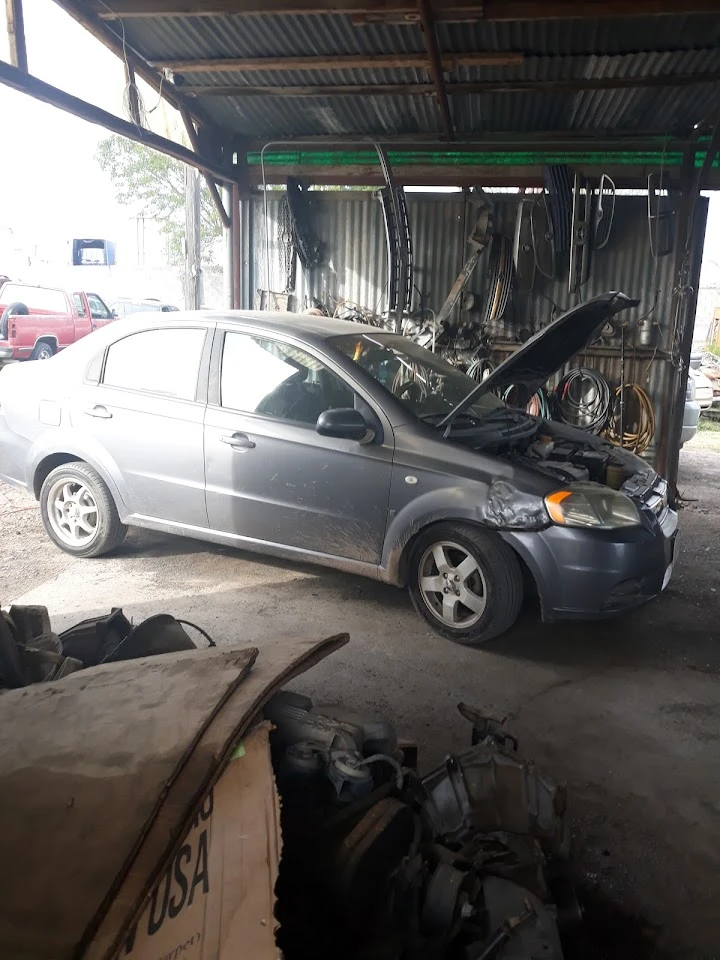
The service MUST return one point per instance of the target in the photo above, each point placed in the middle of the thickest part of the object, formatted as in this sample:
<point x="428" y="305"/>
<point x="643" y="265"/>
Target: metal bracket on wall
<point x="661" y="218"/>
<point x="523" y="250"/>
<point x="478" y="241"/>
<point x="580" y="235"/>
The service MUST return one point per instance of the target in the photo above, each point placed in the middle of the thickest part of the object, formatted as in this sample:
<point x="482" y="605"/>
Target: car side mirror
<point x="114" y="314"/>
<point x="344" y="423"/>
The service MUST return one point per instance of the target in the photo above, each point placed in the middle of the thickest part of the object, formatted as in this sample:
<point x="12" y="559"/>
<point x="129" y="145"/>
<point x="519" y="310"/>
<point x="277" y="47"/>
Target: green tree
<point x="149" y="181"/>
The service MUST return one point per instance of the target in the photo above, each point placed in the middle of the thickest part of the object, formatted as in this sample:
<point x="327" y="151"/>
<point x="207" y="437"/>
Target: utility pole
<point x="193" y="269"/>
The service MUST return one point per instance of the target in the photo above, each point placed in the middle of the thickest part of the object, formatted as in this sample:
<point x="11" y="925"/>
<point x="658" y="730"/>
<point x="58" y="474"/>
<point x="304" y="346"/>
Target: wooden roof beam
<point x="454" y="89"/>
<point x="26" y="83"/>
<point x="392" y="61"/>
<point x="435" y="66"/>
<point x="405" y="11"/>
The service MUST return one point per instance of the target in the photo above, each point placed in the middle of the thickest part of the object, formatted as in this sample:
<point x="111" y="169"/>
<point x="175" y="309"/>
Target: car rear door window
<point x="278" y="380"/>
<point x="165" y="362"/>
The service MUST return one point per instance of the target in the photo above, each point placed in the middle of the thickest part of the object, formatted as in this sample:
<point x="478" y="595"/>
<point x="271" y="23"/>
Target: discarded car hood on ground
<point x="101" y="777"/>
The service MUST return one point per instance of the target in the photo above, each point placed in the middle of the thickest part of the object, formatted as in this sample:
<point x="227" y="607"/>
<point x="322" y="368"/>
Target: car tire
<point x="78" y="511"/>
<point x="43" y="351"/>
<point x="452" y="563"/>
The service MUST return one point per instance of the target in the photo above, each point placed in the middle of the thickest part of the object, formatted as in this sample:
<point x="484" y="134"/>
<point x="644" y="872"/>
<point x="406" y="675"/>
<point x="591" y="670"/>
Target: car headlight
<point x="592" y="505"/>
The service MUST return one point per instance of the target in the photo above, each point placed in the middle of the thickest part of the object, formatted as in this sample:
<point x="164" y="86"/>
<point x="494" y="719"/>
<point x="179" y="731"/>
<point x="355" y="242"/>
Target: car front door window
<point x="98" y="310"/>
<point x="278" y="380"/>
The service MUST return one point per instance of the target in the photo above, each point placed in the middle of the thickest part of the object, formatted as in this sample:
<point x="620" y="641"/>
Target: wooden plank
<point x="427" y="26"/>
<point x="353" y="62"/>
<point x="406" y="11"/>
<point x="47" y="93"/>
<point x="16" y="34"/>
<point x="454" y="89"/>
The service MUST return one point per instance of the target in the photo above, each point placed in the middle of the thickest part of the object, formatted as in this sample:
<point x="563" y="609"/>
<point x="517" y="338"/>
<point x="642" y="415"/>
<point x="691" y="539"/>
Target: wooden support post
<point x="193" y="246"/>
<point x="16" y="34"/>
<point x="236" y="247"/>
<point x="211" y="185"/>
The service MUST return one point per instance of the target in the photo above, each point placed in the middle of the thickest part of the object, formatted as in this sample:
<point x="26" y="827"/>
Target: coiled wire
<point x="638" y="419"/>
<point x="537" y="405"/>
<point x="583" y="399"/>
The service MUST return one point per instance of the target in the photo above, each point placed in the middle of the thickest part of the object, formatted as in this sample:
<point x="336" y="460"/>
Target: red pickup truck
<point x="36" y="322"/>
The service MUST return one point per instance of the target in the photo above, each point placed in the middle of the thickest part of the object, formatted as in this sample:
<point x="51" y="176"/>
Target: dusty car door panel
<point x="277" y="480"/>
<point x="156" y="440"/>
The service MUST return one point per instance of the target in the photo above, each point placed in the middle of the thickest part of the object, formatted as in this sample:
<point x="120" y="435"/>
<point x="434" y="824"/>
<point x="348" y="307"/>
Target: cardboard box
<point x="217" y="899"/>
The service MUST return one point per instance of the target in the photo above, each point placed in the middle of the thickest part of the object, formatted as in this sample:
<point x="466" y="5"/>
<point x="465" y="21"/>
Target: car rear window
<point x="165" y="362"/>
<point x="35" y="298"/>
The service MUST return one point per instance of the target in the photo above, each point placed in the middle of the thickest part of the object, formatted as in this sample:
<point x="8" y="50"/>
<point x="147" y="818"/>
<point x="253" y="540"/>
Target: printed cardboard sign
<point x="216" y="900"/>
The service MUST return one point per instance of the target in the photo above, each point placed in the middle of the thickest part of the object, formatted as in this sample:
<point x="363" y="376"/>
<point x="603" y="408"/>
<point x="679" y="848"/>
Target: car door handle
<point x="98" y="411"/>
<point x="239" y="441"/>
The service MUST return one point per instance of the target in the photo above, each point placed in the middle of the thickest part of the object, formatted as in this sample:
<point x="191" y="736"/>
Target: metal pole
<point x="235" y="247"/>
<point x="227" y="240"/>
<point x="193" y="268"/>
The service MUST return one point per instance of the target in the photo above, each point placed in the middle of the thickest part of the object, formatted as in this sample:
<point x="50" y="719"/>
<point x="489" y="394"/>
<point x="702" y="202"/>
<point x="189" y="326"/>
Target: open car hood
<point x="547" y="351"/>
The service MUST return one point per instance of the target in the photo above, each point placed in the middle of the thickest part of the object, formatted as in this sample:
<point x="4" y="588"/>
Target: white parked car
<point x="691" y="414"/>
<point x="703" y="390"/>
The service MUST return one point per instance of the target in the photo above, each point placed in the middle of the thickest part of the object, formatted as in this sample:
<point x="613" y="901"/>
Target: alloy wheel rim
<point x="452" y="585"/>
<point x="73" y="512"/>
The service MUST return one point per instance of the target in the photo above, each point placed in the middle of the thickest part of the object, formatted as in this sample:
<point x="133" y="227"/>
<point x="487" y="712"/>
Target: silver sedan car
<point x="347" y="445"/>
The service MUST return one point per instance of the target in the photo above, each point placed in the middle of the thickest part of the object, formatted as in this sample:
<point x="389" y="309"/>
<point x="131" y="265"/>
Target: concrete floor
<point x="627" y="712"/>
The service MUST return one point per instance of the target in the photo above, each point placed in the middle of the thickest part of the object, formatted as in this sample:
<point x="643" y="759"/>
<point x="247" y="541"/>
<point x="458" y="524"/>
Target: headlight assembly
<point x="592" y="505"/>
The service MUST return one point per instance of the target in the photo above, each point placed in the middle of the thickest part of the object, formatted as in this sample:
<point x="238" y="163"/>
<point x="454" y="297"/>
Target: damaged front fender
<point x="500" y="506"/>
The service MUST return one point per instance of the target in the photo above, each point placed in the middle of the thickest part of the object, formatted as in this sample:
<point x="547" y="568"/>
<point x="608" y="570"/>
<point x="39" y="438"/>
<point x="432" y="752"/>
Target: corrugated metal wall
<point x="349" y="225"/>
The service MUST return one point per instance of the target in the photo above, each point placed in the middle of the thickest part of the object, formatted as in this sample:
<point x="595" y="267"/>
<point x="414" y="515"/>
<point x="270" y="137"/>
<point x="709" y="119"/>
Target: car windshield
<point x="423" y="382"/>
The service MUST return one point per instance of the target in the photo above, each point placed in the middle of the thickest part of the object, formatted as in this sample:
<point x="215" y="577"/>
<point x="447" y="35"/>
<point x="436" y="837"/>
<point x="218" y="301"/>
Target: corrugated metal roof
<point x="554" y="49"/>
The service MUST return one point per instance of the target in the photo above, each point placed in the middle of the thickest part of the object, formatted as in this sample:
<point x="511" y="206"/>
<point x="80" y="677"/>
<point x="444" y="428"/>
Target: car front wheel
<point x="79" y="512"/>
<point x="465" y="582"/>
<point x="42" y="351"/>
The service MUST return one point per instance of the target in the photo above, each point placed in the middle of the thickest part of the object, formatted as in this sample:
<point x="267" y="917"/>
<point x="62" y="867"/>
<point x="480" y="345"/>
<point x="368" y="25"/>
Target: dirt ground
<point x="627" y="712"/>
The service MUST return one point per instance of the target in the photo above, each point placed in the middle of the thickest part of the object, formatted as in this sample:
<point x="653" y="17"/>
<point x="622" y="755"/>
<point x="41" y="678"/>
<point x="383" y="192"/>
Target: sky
<point x="51" y="186"/>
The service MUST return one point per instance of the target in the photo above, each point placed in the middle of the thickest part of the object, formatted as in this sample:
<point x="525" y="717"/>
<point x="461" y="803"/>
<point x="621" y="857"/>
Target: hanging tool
<point x="580" y="236"/>
<point x="604" y="213"/>
<point x="661" y="218"/>
<point x="523" y="248"/>
<point x="478" y="241"/>
<point x="399" y="243"/>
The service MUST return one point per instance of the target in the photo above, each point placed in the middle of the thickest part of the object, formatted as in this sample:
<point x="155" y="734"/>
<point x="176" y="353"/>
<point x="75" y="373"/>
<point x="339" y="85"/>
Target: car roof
<point x="302" y="324"/>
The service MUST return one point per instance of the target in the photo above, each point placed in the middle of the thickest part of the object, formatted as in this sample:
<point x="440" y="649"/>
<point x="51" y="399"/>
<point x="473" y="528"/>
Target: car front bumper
<point x="593" y="574"/>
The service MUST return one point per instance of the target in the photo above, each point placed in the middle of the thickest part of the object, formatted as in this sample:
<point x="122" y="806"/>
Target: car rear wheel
<point x="79" y="512"/>
<point x="42" y="351"/>
<point x="465" y="582"/>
